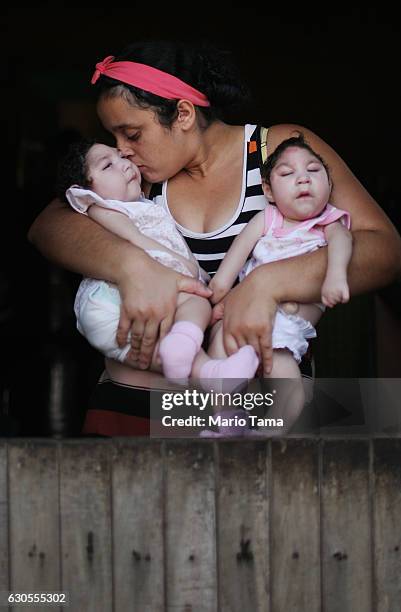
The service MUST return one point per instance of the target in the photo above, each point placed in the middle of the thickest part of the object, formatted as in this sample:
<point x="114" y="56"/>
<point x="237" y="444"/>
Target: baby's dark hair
<point x="72" y="169"/>
<point x="203" y="66"/>
<point x="294" y="141"/>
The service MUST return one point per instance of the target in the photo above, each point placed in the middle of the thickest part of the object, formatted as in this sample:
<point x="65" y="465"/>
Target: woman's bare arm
<point x="78" y="243"/>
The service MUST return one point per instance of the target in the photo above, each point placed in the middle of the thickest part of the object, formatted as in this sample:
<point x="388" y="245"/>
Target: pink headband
<point x="150" y="79"/>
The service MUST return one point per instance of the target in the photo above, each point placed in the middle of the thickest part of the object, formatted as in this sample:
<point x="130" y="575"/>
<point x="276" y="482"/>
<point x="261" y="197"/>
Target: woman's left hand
<point x="249" y="312"/>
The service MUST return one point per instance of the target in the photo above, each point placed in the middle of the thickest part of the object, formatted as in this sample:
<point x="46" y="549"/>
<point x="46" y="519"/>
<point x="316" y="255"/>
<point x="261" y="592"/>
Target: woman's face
<point x="156" y="150"/>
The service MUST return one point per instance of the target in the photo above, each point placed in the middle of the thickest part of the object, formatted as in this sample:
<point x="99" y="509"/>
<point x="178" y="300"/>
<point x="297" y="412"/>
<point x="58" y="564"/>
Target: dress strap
<point x="268" y="219"/>
<point x="332" y="214"/>
<point x="263" y="143"/>
<point x="278" y="219"/>
<point x="273" y="219"/>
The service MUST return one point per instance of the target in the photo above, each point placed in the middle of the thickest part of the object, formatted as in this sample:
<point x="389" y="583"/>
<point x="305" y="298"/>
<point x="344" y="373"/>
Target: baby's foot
<point x="225" y="375"/>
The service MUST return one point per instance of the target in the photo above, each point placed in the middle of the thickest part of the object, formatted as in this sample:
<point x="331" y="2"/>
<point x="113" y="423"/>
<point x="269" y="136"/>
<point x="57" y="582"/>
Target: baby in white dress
<point x="107" y="187"/>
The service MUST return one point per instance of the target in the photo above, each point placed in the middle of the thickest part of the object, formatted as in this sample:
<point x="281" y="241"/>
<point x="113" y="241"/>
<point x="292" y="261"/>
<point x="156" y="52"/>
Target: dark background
<point x="336" y="73"/>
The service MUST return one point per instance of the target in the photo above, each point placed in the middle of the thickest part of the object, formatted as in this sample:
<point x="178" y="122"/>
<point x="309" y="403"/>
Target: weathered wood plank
<point x="3" y="518"/>
<point x="191" y="565"/>
<point x="387" y="524"/>
<point x="295" y="518"/>
<point x="243" y="527"/>
<point x="180" y="572"/>
<point x="346" y="526"/>
<point x="34" y="517"/>
<point x="85" y="501"/>
<point x="138" y="537"/>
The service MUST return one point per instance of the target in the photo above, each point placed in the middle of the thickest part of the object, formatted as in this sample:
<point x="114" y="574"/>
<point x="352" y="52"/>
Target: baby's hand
<point x="219" y="291"/>
<point x="335" y="290"/>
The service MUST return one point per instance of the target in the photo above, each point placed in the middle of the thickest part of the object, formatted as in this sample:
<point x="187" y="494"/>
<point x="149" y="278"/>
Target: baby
<point x="297" y="219"/>
<point x="97" y="181"/>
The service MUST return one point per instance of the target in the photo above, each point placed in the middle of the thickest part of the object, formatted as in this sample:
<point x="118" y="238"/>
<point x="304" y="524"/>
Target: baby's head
<point x="296" y="180"/>
<point x="100" y="168"/>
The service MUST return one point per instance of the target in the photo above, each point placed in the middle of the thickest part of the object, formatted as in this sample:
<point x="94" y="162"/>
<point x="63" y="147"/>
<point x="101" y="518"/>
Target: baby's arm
<point x="122" y="226"/>
<point x="236" y="257"/>
<point x="335" y="286"/>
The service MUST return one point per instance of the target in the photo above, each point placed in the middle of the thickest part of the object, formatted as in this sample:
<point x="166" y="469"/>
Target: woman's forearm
<point x="75" y="242"/>
<point x="375" y="262"/>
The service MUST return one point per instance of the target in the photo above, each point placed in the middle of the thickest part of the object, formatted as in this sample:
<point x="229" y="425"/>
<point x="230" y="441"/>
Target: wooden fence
<point x="294" y="525"/>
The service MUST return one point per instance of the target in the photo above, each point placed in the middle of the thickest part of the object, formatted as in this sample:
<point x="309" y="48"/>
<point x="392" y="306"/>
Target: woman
<point x="206" y="174"/>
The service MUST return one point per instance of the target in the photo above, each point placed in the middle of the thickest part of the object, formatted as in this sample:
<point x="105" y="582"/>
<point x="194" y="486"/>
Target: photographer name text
<point x="219" y="421"/>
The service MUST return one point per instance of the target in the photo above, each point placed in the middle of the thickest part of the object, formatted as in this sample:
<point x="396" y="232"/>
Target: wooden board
<point x="243" y="527"/>
<point x="34" y="517"/>
<point x="138" y="536"/>
<point x="294" y="526"/>
<point x="191" y="565"/>
<point x="86" y="539"/>
<point x="387" y="524"/>
<point x="346" y="527"/>
<point x="3" y="519"/>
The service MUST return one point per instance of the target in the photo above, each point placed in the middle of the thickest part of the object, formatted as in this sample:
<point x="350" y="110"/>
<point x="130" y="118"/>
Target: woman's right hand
<point x="148" y="307"/>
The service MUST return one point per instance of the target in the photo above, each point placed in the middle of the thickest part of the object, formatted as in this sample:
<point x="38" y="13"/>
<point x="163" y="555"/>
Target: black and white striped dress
<point x="210" y="248"/>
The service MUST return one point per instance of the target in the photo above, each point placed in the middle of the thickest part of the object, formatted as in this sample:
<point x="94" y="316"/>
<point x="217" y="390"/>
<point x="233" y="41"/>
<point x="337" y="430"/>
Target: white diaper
<point x="292" y="332"/>
<point x="97" y="308"/>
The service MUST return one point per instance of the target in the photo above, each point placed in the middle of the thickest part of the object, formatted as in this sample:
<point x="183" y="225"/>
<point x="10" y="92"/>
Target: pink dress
<point x="279" y="242"/>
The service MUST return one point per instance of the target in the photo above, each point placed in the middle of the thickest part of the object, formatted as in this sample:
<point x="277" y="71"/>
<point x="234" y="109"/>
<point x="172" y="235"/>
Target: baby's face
<point x="299" y="185"/>
<point x="111" y="176"/>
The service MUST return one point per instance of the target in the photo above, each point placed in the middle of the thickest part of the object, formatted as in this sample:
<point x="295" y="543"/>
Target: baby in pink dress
<point x="297" y="219"/>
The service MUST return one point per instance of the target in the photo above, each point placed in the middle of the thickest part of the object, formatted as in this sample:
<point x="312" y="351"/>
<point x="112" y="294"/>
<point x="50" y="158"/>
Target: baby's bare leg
<point x="310" y="312"/>
<point x="193" y="308"/>
<point x="289" y="395"/>
<point x="216" y="348"/>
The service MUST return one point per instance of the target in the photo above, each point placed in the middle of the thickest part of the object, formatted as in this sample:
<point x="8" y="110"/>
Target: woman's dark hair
<point x="203" y="66"/>
<point x="295" y="141"/>
<point x="72" y="168"/>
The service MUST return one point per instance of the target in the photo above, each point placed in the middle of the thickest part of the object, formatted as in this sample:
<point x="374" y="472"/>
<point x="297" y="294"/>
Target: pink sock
<point x="242" y="365"/>
<point x="178" y="349"/>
